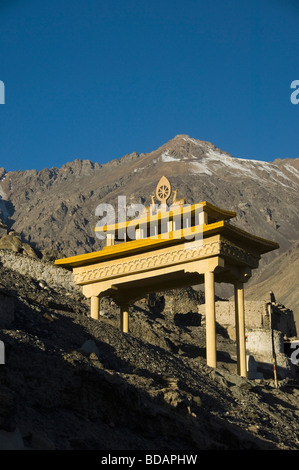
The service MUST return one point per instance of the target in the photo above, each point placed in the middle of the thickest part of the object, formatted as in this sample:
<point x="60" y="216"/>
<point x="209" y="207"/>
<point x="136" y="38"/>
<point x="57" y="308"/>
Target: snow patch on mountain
<point x="254" y="169"/>
<point x="200" y="167"/>
<point x="292" y="170"/>
<point x="2" y="193"/>
<point x="165" y="157"/>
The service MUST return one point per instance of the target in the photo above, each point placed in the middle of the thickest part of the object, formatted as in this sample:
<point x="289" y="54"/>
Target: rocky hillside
<point x="282" y="276"/>
<point x="56" y="206"/>
<point x="73" y="383"/>
<point x="54" y="209"/>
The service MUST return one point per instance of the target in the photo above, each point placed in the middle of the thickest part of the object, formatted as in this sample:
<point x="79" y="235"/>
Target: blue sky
<point x="98" y="79"/>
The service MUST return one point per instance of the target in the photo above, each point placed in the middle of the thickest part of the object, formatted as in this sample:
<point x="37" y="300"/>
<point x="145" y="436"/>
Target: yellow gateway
<point x="169" y="247"/>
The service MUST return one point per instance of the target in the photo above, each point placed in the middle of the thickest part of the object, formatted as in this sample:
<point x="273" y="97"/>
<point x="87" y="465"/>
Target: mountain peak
<point x="187" y="138"/>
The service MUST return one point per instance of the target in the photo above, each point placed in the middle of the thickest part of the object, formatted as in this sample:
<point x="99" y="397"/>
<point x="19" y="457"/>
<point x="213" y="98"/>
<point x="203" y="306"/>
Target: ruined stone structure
<point x="169" y="247"/>
<point x="257" y="317"/>
<point x="259" y="327"/>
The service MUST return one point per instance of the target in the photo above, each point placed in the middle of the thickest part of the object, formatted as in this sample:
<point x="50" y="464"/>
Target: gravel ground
<point x="73" y="383"/>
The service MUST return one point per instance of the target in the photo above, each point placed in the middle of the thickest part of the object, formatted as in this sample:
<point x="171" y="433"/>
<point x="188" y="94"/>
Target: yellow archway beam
<point x="210" y="209"/>
<point x="231" y="232"/>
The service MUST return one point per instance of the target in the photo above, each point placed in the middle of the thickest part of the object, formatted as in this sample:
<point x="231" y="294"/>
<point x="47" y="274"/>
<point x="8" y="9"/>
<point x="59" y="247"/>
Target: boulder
<point x="28" y="250"/>
<point x="89" y="347"/>
<point x="10" y="242"/>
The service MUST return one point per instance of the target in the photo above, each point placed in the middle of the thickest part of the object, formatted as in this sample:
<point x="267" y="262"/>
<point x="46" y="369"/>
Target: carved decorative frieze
<point x="165" y="259"/>
<point x="230" y="250"/>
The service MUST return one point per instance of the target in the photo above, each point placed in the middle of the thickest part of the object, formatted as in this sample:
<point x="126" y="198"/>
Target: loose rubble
<point x="73" y="383"/>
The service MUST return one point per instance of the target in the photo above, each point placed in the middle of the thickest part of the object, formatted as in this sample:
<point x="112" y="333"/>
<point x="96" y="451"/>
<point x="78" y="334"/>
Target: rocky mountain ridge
<point x="54" y="209"/>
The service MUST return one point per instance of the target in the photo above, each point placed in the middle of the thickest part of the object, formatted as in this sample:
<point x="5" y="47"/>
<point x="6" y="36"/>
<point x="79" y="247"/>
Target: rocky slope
<point x="54" y="209"/>
<point x="282" y="276"/>
<point x="71" y="382"/>
<point x="57" y="206"/>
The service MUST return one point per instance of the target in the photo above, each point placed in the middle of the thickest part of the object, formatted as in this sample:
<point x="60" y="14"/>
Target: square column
<point x="240" y="329"/>
<point x="109" y="239"/>
<point x="210" y="319"/>
<point x="94" y="307"/>
<point x="124" y="318"/>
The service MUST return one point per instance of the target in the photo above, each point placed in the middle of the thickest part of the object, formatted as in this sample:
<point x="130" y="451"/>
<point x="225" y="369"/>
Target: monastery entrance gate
<point x="172" y="246"/>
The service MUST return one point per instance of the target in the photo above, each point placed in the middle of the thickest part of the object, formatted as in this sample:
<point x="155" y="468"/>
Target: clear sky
<point x="97" y="79"/>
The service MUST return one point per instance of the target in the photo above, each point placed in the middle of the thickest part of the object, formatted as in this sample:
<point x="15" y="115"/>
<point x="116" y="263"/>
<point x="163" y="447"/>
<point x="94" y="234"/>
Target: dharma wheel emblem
<point x="163" y="190"/>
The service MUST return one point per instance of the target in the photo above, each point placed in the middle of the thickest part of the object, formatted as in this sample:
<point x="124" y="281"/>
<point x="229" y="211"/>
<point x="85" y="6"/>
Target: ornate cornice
<point x="230" y="250"/>
<point x="127" y="266"/>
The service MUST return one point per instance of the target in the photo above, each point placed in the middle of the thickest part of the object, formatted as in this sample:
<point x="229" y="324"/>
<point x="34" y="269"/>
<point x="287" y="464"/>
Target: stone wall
<point x="259" y="345"/>
<point x="283" y="320"/>
<point x="54" y="276"/>
<point x="256" y="316"/>
<point x="258" y="333"/>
